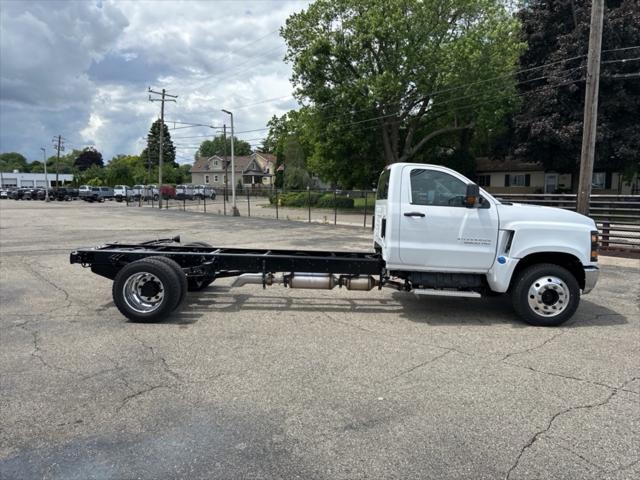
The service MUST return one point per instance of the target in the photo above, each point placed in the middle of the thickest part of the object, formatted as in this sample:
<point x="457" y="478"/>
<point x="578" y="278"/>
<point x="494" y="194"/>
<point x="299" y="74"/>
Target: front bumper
<point x="590" y="279"/>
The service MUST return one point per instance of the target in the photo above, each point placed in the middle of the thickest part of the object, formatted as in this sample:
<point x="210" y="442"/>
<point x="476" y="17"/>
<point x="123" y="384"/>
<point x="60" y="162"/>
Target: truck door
<point x="437" y="232"/>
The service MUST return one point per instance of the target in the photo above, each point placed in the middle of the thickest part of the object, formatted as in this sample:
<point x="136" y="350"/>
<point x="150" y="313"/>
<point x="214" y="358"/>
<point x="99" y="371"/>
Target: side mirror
<point x="472" y="196"/>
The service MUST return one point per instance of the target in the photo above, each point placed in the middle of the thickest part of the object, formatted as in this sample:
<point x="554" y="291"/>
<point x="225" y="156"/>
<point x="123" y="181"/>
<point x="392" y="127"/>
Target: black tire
<point x="213" y="196"/>
<point x="198" y="284"/>
<point x="156" y="197"/>
<point x="165" y="283"/>
<point x="177" y="270"/>
<point x="539" y="295"/>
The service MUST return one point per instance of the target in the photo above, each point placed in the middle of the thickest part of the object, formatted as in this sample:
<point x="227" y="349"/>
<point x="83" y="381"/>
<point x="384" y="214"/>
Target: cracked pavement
<point x="279" y="383"/>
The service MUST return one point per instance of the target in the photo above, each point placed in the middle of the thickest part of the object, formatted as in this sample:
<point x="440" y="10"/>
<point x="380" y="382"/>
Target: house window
<point x="484" y="180"/>
<point x="215" y="162"/>
<point x="517" y="180"/>
<point x="206" y="179"/>
<point x="599" y="180"/>
<point x="215" y="178"/>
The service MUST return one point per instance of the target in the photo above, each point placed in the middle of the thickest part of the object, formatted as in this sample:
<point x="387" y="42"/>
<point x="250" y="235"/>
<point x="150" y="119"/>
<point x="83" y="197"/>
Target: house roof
<point x="267" y="156"/>
<point x="203" y="164"/>
<point x="484" y="164"/>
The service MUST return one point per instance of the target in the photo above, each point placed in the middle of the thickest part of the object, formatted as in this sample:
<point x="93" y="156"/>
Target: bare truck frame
<point x="150" y="279"/>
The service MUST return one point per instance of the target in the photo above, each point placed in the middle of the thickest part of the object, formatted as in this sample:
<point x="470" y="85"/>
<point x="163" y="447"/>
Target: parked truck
<point x="435" y="233"/>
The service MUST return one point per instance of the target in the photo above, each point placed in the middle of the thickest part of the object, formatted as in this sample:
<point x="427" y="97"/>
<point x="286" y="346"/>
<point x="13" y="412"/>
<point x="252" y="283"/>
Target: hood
<point x="521" y="213"/>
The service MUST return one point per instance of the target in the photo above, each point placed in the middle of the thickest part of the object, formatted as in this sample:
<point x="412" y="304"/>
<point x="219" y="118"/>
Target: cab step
<point x="445" y="293"/>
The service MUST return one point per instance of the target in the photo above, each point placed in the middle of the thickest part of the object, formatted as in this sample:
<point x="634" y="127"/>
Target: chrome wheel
<point x="143" y="292"/>
<point x="548" y="296"/>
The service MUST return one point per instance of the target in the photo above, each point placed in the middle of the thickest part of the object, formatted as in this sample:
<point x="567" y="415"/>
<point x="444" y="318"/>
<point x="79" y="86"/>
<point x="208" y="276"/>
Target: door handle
<point x="414" y="214"/>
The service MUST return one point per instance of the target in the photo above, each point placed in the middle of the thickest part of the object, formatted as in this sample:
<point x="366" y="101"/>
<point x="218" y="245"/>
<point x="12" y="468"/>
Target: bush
<point x="328" y="201"/>
<point x="318" y="200"/>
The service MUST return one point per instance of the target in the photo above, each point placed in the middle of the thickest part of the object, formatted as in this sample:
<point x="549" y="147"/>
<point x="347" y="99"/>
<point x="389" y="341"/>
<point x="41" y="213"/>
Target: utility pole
<point x="46" y="177"/>
<point x="58" y="145"/>
<point x="226" y="165"/>
<point x="234" y="208"/>
<point x="172" y="98"/>
<point x="590" y="121"/>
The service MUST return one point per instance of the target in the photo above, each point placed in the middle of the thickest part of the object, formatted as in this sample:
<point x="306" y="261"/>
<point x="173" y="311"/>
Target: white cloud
<point x="81" y="69"/>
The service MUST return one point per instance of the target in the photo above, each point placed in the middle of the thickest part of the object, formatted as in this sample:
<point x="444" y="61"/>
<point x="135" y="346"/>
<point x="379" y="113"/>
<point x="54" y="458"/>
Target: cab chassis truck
<point x="435" y="233"/>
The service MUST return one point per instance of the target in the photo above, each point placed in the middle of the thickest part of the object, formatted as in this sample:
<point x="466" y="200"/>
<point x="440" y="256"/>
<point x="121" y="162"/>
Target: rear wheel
<point x="197" y="284"/>
<point x="545" y="295"/>
<point x="179" y="274"/>
<point x="146" y="290"/>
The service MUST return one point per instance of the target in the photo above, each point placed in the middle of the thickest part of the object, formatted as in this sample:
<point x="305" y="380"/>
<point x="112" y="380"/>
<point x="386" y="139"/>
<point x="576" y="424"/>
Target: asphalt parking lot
<point x="280" y="383"/>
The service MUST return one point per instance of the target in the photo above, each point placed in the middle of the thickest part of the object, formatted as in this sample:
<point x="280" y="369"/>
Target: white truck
<point x="122" y="193"/>
<point x="435" y="233"/>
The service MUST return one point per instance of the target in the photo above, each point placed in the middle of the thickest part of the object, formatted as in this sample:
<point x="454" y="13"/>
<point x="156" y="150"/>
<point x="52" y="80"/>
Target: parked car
<point x="122" y="192"/>
<point x="202" y="191"/>
<point x="84" y="191"/>
<point x="185" y="192"/>
<point x="21" y="194"/>
<point x="4" y="194"/>
<point x="93" y="195"/>
<point x="168" y="191"/>
<point x="61" y="194"/>
<point x="106" y="193"/>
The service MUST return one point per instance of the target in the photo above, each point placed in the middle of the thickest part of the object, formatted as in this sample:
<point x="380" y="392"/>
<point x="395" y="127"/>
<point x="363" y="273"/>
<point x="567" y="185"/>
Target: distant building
<point x="512" y="176"/>
<point x="256" y="170"/>
<point x="17" y="179"/>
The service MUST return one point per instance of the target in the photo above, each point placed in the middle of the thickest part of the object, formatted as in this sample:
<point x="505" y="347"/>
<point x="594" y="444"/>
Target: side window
<point x="383" y="185"/>
<point x="430" y="187"/>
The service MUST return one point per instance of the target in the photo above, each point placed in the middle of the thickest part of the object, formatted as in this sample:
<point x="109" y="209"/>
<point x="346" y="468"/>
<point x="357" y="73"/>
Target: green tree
<point x="87" y="158"/>
<point x="548" y="126"/>
<point x="209" y="148"/>
<point x="125" y="170"/>
<point x="152" y="151"/>
<point x="296" y="176"/>
<point x="11" y="161"/>
<point x="400" y="70"/>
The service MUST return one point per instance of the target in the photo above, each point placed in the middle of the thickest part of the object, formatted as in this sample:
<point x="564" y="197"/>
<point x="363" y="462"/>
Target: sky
<point x="81" y="69"/>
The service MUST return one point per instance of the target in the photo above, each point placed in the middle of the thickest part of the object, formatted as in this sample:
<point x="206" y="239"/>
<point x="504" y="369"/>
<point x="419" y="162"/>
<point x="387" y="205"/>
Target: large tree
<point x="395" y="75"/>
<point x="11" y="161"/>
<point x="549" y="125"/>
<point x="208" y="148"/>
<point x="151" y="154"/>
<point x="88" y="157"/>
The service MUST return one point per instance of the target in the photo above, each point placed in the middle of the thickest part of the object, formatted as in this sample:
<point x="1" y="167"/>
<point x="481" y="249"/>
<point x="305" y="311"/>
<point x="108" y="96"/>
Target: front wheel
<point x="545" y="295"/>
<point x="146" y="290"/>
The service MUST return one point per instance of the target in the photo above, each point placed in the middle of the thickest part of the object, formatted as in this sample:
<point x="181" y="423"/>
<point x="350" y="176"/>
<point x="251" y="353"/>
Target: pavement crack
<point x="38" y="274"/>
<point x="528" y="350"/>
<point x="555" y="416"/>
<point x="420" y="365"/>
<point x="568" y="377"/>
<point x="163" y="361"/>
<point x="37" y="352"/>
<point x="130" y="397"/>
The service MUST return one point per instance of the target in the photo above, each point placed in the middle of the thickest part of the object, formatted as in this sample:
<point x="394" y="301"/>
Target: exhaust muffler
<point x="316" y="281"/>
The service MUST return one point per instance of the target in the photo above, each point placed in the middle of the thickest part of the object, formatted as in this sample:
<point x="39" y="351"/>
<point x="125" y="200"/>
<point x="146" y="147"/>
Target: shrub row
<point x="319" y="200"/>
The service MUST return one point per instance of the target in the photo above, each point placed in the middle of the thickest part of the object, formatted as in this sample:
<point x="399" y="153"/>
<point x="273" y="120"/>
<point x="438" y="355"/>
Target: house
<point x="513" y="176"/>
<point x="256" y="170"/>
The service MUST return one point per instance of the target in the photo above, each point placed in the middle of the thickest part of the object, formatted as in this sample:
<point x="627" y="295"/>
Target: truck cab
<point x="445" y="236"/>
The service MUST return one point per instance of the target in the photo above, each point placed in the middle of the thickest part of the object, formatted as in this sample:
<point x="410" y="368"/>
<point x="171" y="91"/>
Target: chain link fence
<point x="617" y="216"/>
